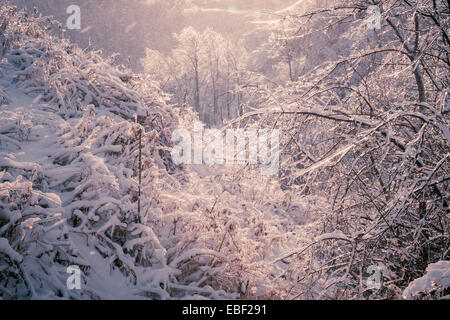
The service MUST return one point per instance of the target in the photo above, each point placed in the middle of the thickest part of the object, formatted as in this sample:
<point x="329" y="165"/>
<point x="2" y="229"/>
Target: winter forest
<point x="232" y="149"/>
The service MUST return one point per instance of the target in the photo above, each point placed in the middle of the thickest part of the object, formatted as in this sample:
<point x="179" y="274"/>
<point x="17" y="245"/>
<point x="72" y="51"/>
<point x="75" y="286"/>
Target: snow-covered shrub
<point x="94" y="166"/>
<point x="435" y="284"/>
<point x="34" y="245"/>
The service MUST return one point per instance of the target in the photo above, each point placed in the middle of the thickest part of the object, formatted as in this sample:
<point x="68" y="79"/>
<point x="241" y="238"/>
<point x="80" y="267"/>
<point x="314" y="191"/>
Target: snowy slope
<point x="70" y="190"/>
<point x="38" y="144"/>
<point x="69" y="127"/>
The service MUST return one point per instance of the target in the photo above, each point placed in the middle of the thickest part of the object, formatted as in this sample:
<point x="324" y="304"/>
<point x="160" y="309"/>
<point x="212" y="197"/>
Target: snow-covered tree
<point x="205" y="71"/>
<point x="369" y="128"/>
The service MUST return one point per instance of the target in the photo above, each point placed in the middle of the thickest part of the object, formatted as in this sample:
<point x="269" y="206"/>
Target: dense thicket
<point x="363" y="180"/>
<point x="366" y="123"/>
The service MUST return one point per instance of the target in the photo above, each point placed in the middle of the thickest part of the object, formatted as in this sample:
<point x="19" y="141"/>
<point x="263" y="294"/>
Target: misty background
<point x="128" y="27"/>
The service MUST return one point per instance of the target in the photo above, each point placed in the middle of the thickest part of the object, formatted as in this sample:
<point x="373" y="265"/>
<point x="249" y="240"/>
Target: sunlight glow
<point x="232" y="9"/>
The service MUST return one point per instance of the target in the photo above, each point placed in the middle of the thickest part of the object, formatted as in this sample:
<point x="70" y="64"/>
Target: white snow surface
<point x="437" y="276"/>
<point x="68" y="168"/>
